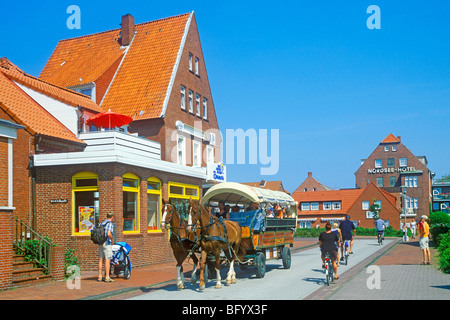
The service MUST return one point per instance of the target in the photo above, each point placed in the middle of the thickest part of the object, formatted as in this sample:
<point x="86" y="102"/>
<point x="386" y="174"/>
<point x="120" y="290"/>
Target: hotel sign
<point x="391" y="170"/>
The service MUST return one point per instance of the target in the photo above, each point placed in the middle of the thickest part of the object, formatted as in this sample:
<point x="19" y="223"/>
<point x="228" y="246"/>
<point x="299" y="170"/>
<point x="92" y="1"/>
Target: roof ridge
<point x="11" y="74"/>
<point x="119" y="29"/>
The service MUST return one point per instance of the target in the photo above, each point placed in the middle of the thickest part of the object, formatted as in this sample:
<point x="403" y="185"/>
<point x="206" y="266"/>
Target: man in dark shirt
<point x="348" y="231"/>
<point x="329" y="242"/>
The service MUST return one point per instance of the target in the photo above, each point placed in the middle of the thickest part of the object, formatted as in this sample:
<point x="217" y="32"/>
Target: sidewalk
<point x="400" y="260"/>
<point x="142" y="278"/>
<point x="402" y="277"/>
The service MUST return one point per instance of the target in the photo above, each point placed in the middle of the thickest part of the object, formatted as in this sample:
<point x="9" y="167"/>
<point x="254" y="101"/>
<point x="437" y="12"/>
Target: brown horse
<point x="182" y="240"/>
<point x="216" y="235"/>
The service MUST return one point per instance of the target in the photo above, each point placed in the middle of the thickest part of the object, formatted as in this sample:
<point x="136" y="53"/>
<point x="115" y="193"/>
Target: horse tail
<point x="245" y="245"/>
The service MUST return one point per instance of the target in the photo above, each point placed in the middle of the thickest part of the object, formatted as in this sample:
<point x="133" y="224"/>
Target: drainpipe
<point x="33" y="192"/>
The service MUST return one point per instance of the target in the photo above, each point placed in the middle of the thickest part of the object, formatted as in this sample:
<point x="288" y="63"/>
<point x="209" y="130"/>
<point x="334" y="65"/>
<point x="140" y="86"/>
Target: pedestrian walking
<point x="424" y="230"/>
<point x="413" y="229"/>
<point x="106" y="248"/>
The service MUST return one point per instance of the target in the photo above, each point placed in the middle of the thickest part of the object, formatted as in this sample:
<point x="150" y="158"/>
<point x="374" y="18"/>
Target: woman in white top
<point x="336" y="229"/>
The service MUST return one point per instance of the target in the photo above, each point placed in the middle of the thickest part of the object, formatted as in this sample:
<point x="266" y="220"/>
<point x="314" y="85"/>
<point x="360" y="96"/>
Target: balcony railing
<point x="410" y="212"/>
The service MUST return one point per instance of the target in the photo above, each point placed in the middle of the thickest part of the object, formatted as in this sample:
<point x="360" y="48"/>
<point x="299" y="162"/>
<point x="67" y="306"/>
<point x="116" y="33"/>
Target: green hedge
<point x="444" y="252"/>
<point x="314" y="233"/>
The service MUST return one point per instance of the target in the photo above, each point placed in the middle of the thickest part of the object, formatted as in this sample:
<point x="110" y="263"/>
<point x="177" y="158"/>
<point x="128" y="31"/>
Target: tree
<point x="375" y="209"/>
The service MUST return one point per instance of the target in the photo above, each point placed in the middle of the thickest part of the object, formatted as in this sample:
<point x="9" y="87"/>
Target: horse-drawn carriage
<point x="267" y="219"/>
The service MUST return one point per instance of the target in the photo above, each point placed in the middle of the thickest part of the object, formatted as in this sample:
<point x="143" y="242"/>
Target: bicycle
<point x="329" y="271"/>
<point x="380" y="238"/>
<point x="346" y="251"/>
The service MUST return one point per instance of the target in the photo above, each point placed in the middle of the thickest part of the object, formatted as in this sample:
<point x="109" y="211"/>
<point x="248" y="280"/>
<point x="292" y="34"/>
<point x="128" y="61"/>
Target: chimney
<point x="309" y="174"/>
<point x="399" y="138"/>
<point x="127" y="29"/>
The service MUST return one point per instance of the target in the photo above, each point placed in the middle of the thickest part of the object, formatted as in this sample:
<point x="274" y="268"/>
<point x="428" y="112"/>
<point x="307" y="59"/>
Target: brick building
<point x="311" y="184"/>
<point x="154" y="72"/>
<point x="394" y="168"/>
<point x="8" y="137"/>
<point x="316" y="208"/>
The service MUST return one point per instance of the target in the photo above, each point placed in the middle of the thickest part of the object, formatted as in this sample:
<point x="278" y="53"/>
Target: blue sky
<point x="311" y="69"/>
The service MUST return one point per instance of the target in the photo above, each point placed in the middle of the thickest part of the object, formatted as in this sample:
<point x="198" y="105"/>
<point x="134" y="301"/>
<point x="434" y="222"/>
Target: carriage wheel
<point x="260" y="262"/>
<point x="286" y="257"/>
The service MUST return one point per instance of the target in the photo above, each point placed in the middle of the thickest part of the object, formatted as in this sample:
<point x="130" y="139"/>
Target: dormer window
<point x="88" y="90"/>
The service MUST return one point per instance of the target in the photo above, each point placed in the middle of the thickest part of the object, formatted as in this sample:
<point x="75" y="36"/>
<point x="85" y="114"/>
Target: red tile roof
<point x="390" y="139"/>
<point x="347" y="197"/>
<point x="26" y="111"/>
<point x="141" y="82"/>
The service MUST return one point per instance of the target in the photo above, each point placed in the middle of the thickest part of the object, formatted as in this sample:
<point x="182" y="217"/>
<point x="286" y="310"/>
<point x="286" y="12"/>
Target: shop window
<point x="130" y="188"/>
<point x="85" y="201"/>
<point x="153" y="204"/>
<point x="180" y="194"/>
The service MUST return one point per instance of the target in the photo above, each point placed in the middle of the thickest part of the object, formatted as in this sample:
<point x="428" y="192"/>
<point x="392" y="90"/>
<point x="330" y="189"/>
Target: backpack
<point x="98" y="234"/>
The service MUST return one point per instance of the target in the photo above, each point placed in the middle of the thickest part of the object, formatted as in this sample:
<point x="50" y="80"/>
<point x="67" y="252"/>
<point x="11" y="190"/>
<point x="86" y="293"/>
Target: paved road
<point x="303" y="278"/>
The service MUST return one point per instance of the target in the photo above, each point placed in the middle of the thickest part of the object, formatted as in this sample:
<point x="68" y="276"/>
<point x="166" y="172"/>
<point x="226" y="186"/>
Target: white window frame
<point x="210" y="154"/>
<point x="378" y="163"/>
<point x="196" y="153"/>
<point x="205" y="108"/>
<point x="365" y="205"/>
<point x="183" y="97"/>
<point x="394" y="148"/>
<point x="305" y="206"/>
<point x="386" y="148"/>
<point x="191" y="101"/>
<point x="336" y="205"/>
<point x="379" y="203"/>
<point x="196" y="65"/>
<point x="378" y="181"/>
<point x="190" y="61"/>
<point x="314" y="206"/>
<point x="403" y="162"/>
<point x="327" y="205"/>
<point x="181" y="150"/>
<point x="197" y="104"/>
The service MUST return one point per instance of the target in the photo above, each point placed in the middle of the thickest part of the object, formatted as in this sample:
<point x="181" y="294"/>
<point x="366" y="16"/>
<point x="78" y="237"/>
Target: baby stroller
<point x="120" y="262"/>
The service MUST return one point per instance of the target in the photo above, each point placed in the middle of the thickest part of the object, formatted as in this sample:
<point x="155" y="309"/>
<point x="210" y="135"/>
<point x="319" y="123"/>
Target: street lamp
<point x="405" y="197"/>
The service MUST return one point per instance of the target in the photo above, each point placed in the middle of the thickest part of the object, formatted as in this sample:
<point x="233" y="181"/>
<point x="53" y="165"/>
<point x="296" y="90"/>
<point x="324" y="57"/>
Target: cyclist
<point x="348" y="231"/>
<point x="336" y="230"/>
<point x="380" y="224"/>
<point x="327" y="243"/>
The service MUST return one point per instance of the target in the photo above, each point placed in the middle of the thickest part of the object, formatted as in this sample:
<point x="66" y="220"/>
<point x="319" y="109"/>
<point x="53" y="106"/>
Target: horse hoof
<point x="193" y="279"/>
<point x="233" y="281"/>
<point x="180" y="287"/>
<point x="218" y="286"/>
<point x="228" y="282"/>
<point x="201" y="288"/>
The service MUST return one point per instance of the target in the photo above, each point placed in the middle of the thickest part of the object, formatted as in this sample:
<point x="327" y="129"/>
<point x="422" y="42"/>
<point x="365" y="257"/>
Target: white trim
<point x="10" y="173"/>
<point x="175" y="67"/>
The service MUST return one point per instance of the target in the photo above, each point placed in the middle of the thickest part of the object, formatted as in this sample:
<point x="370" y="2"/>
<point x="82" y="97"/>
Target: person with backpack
<point x="106" y="247"/>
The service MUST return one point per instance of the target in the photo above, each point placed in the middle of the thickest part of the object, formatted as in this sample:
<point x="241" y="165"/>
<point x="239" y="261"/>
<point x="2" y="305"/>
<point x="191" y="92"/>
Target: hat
<point x="424" y="217"/>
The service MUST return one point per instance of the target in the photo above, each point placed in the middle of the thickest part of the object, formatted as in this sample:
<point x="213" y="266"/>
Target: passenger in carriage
<point x="223" y="211"/>
<point x="270" y="213"/>
<point x="252" y="207"/>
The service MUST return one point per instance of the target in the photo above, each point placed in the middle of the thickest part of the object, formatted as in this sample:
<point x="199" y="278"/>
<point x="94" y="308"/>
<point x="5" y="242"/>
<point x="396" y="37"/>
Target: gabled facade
<point x="311" y="184"/>
<point x="394" y="168"/>
<point x="270" y="185"/>
<point x="316" y="208"/>
<point x="154" y="72"/>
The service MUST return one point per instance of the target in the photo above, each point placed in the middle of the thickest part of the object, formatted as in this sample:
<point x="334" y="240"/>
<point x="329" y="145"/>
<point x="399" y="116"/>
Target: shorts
<point x="423" y="243"/>
<point x="333" y="254"/>
<point x="106" y="251"/>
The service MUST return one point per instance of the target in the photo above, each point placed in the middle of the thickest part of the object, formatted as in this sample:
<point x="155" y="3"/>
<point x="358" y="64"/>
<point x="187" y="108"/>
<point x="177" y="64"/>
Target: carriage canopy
<point x="233" y="192"/>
